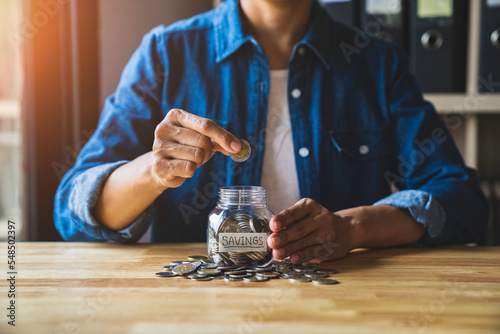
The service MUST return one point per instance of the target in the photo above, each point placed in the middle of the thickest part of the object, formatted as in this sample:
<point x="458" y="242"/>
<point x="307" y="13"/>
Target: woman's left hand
<point x="308" y="231"/>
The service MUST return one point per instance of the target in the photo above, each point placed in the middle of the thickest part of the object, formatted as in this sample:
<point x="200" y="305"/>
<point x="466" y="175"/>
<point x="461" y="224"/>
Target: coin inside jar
<point x="243" y="154"/>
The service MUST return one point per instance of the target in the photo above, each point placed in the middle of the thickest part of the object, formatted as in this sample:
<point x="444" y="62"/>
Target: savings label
<point x="242" y="242"/>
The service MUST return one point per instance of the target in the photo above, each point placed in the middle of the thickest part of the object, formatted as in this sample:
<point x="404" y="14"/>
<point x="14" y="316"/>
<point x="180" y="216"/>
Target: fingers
<point x="291" y="215"/>
<point x="207" y="127"/>
<point x="172" y="172"/>
<point x="290" y="248"/>
<point x="217" y="148"/>
<point x="321" y="251"/>
<point x="167" y="136"/>
<point x="292" y="233"/>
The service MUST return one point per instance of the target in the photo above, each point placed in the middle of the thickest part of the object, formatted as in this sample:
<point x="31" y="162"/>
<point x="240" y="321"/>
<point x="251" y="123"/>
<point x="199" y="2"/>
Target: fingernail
<point x="295" y="258"/>
<point x="276" y="241"/>
<point x="236" y="146"/>
<point x="277" y="224"/>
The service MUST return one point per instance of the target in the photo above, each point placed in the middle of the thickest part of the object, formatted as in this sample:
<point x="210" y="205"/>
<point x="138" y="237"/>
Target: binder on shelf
<point x="345" y="11"/>
<point x="385" y="19"/>
<point x="438" y="44"/>
<point x="489" y="57"/>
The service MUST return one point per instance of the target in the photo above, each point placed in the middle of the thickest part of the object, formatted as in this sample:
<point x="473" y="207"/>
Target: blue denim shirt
<point x="358" y="120"/>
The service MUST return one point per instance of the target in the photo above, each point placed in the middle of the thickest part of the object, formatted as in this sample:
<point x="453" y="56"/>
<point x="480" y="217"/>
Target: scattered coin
<point x="184" y="269"/>
<point x="168" y="268"/>
<point x="245" y="275"/>
<point x="316" y="274"/>
<point x="236" y="272"/>
<point x="325" y="281"/>
<point x="206" y="278"/>
<point x="225" y="268"/>
<point x="209" y="271"/>
<point x="300" y="280"/>
<point x="197" y="263"/>
<point x="165" y="274"/>
<point x="209" y="266"/>
<point x="197" y="276"/>
<point x="255" y="279"/>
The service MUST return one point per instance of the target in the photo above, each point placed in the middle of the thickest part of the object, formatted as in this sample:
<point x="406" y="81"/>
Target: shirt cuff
<point x="424" y="208"/>
<point x="86" y="190"/>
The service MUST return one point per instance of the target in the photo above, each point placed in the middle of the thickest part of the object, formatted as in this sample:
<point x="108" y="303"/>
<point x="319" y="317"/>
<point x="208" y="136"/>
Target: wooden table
<point x="110" y="288"/>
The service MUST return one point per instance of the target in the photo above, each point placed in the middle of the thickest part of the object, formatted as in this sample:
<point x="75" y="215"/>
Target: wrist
<point x="156" y="186"/>
<point x="356" y="232"/>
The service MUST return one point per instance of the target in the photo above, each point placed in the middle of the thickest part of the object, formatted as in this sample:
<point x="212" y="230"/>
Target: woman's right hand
<point x="184" y="142"/>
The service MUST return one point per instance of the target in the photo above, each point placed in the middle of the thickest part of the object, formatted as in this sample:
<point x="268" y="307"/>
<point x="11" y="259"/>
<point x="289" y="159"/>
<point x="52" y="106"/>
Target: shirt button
<point x="301" y="51"/>
<point x="304" y="152"/>
<point x="296" y="93"/>
<point x="364" y="149"/>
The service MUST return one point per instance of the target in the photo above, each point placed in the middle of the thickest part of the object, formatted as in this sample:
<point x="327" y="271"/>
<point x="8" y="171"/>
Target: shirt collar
<point x="229" y="34"/>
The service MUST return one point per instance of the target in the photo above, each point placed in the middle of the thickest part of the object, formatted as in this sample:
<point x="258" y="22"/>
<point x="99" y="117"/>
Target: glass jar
<point x="238" y="228"/>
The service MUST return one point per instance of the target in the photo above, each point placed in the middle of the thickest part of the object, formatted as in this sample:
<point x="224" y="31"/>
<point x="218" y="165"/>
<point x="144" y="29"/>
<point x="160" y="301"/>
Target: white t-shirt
<point x="279" y="174"/>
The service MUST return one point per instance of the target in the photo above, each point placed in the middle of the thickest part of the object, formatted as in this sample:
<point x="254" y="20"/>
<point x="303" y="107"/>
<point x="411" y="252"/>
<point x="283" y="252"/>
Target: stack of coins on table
<point x="200" y="268"/>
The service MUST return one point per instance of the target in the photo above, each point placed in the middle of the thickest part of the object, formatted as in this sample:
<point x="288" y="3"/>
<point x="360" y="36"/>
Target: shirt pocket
<point x="362" y="145"/>
<point x="359" y="162"/>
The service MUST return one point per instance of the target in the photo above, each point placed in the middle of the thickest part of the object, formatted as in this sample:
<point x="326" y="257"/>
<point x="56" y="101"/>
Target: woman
<point x="334" y="119"/>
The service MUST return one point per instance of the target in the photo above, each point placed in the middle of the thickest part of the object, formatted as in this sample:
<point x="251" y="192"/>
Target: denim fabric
<point x="358" y="118"/>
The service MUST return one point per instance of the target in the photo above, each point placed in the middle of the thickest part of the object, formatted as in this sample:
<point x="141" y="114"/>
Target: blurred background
<point x="60" y="59"/>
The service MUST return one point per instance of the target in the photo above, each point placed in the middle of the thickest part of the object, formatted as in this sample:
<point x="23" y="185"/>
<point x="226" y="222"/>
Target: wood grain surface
<point x="111" y="288"/>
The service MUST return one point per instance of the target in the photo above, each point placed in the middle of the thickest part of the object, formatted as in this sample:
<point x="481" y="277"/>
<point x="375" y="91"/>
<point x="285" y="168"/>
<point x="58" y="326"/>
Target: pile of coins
<point x="200" y="268"/>
<point x="240" y="223"/>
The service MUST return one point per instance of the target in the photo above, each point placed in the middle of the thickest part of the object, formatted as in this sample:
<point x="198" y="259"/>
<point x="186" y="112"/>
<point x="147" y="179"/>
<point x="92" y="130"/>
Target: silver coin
<point x="315" y="275"/>
<point x="209" y="266"/>
<point x="206" y="278"/>
<point x="228" y="279"/>
<point x="175" y="263"/>
<point x="325" y="281"/>
<point x="293" y="275"/>
<point x="243" y="154"/>
<point x="168" y="268"/>
<point x="197" y="276"/>
<point x="267" y="275"/>
<point x="184" y="269"/>
<point x="225" y="268"/>
<point x="239" y="275"/>
<point x="251" y="279"/>
<point x="165" y="274"/>
<point x="197" y="263"/>
<point x="209" y="271"/>
<point x="300" y="280"/>
<point x="235" y="272"/>
<point x="255" y="279"/>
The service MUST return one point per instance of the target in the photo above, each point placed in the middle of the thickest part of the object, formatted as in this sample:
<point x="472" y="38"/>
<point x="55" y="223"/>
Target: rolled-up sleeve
<point x="423" y="207"/>
<point x="436" y="187"/>
<point x="83" y="198"/>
